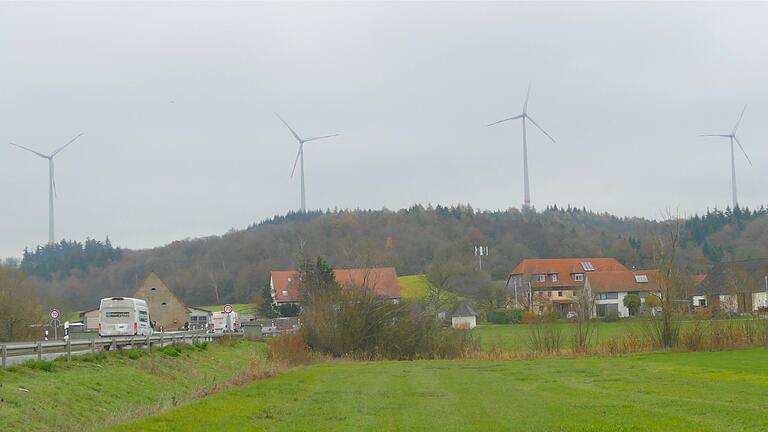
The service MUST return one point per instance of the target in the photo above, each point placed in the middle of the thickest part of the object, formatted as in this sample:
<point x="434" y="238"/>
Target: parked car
<point x="571" y="315"/>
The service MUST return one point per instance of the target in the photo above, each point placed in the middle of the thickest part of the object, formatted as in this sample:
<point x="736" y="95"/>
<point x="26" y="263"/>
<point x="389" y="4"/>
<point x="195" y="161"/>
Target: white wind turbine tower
<point x="732" y="136"/>
<point x="51" y="182"/>
<point x="525" y="116"/>
<point x="300" y="156"/>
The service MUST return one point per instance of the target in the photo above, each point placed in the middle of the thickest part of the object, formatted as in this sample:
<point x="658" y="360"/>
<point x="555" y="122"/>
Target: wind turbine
<point x="300" y="156"/>
<point x="732" y="136"/>
<point x="51" y="182"/>
<point x="525" y="116"/>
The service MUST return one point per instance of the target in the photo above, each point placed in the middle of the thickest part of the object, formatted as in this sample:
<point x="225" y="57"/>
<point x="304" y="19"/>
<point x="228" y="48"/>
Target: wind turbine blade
<point x="537" y="125"/>
<point x="739" y="120"/>
<point x="527" y="95"/>
<point x="320" y="137"/>
<point x="30" y="150"/>
<point x="53" y="180"/>
<point x="742" y="149"/>
<point x="507" y="119"/>
<point x="298" y="138"/>
<point x="717" y="135"/>
<point x="65" y="145"/>
<point x="297" y="160"/>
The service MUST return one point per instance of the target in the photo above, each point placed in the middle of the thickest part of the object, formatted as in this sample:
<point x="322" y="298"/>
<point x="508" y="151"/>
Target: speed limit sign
<point x="54" y="314"/>
<point x="228" y="308"/>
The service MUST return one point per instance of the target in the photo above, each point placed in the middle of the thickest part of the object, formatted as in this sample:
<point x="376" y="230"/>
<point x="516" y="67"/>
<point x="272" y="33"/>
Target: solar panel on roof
<point x="587" y="266"/>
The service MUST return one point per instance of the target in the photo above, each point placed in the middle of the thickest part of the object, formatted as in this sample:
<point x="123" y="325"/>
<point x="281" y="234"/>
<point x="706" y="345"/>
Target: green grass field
<point x="86" y="395"/>
<point x="416" y="287"/>
<point x="665" y="391"/>
<point x="514" y="337"/>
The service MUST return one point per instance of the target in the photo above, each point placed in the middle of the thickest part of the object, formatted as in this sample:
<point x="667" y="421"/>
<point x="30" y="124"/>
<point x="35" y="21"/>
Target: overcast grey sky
<point x="176" y="101"/>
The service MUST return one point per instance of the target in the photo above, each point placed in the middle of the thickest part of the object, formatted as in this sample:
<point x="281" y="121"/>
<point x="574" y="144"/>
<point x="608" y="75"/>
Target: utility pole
<point x="479" y="252"/>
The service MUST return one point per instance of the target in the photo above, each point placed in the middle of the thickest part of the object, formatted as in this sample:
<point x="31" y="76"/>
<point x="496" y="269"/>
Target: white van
<point x="219" y="322"/>
<point x="123" y="316"/>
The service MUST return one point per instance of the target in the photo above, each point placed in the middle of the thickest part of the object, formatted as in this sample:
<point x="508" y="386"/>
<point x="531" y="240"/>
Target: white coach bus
<point x="124" y="316"/>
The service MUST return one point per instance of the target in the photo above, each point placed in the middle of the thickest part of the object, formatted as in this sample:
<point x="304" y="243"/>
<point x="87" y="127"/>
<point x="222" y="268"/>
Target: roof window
<point x="641" y="278"/>
<point x="587" y="266"/>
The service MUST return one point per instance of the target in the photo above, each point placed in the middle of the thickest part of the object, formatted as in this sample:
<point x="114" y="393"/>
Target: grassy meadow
<point x="703" y="391"/>
<point x="97" y="390"/>
<point x="515" y="337"/>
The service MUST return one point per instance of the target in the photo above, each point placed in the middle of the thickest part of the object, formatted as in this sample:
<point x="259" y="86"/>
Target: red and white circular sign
<point x="54" y="314"/>
<point x="227" y="308"/>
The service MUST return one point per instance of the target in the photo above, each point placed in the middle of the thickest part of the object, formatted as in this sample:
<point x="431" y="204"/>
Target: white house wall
<point x="759" y="300"/>
<point x="623" y="310"/>
<point x="469" y="322"/>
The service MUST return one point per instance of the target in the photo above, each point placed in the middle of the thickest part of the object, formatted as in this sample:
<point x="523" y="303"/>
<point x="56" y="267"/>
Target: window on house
<point x="164" y="304"/>
<point x="549" y="293"/>
<point x="578" y="277"/>
<point x="153" y="289"/>
<point x="559" y="293"/>
<point x="541" y="278"/>
<point x="641" y="278"/>
<point x="554" y="277"/>
<point x="290" y="280"/>
<point x="284" y="293"/>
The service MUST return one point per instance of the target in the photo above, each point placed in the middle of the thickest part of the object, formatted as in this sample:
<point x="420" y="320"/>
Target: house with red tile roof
<point x="286" y="285"/>
<point x="542" y="285"/>
<point x="608" y="289"/>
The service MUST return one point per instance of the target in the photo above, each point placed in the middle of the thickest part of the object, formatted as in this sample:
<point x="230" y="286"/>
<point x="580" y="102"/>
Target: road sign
<point x="55" y="323"/>
<point x="54" y="314"/>
<point x="227" y="308"/>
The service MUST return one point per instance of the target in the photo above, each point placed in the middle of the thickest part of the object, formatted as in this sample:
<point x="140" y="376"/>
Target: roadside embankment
<point x="101" y="389"/>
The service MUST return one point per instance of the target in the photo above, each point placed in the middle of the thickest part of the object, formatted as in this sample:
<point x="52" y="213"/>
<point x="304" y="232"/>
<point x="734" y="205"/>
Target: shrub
<point x="288" y="350"/>
<point x="43" y="365"/>
<point x="171" y="351"/>
<point x="498" y="316"/>
<point x="545" y="336"/>
<point x="97" y="357"/>
<point x="134" y="354"/>
<point x="506" y="316"/>
<point x="632" y="302"/>
<point x="515" y="316"/>
<point x="528" y="317"/>
<point x="358" y="324"/>
<point x="611" y="317"/>
<point x="200" y="345"/>
<point x="693" y="337"/>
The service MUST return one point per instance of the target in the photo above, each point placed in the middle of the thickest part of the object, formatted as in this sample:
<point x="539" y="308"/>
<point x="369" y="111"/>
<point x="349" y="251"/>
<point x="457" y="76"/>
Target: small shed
<point x="464" y="316"/>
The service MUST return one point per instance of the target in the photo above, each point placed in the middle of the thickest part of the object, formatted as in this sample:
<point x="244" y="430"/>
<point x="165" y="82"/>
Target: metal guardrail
<point x="65" y="347"/>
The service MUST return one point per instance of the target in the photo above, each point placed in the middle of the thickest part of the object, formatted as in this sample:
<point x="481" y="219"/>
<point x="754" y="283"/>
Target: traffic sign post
<point x="228" y="311"/>
<point x="55" y="323"/>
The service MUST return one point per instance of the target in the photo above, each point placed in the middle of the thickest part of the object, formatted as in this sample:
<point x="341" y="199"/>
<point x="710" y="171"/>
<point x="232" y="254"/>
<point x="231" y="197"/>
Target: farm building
<point x="736" y="286"/>
<point x="285" y="285"/>
<point x="464" y="316"/>
<point x="165" y="309"/>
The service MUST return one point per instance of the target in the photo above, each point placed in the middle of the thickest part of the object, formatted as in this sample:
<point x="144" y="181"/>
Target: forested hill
<point x="235" y="267"/>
